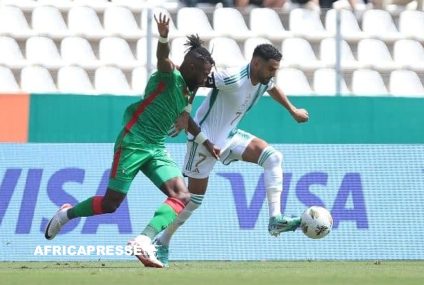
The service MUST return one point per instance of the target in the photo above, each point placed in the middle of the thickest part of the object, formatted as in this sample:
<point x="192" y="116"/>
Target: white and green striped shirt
<point x="227" y="103"/>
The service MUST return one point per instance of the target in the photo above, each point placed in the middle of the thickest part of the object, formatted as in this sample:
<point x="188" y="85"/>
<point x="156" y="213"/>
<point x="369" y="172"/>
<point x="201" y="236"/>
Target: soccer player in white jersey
<point x="233" y="94"/>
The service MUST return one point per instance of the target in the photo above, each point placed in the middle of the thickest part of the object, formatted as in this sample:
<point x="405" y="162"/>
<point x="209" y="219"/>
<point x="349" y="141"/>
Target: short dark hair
<point x="196" y="50"/>
<point x="267" y="52"/>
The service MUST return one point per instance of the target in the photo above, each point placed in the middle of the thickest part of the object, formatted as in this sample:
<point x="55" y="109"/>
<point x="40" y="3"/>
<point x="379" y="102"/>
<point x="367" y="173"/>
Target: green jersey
<point x="151" y="118"/>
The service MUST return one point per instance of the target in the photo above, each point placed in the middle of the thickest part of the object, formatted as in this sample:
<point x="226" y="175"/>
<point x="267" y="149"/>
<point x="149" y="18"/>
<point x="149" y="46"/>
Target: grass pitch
<point x="215" y="273"/>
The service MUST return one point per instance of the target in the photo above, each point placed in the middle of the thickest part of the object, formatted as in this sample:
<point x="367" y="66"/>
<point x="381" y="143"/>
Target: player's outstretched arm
<point x="300" y="115"/>
<point x="162" y="52"/>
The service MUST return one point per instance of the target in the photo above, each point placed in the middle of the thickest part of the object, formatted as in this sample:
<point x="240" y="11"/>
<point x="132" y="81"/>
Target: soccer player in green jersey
<point x="140" y="146"/>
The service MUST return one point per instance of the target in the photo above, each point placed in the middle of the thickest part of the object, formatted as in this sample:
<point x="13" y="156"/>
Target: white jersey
<point x="226" y="104"/>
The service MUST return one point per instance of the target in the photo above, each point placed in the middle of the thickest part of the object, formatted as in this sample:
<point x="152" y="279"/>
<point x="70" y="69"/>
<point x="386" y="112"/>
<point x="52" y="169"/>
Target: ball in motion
<point x="316" y="222"/>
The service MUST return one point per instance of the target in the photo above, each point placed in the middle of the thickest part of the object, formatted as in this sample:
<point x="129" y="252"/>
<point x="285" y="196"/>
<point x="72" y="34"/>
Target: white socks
<point x="271" y="160"/>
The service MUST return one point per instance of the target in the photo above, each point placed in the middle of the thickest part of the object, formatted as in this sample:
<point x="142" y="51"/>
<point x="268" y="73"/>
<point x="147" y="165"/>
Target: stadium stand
<point x="411" y="24"/>
<point x="404" y="82"/>
<point x="379" y="24"/>
<point x="43" y="51"/>
<point x="229" y="22"/>
<point x="349" y="25"/>
<point x="294" y="81"/>
<point x="375" y="54"/>
<point x="116" y="51"/>
<point x="367" y="82"/>
<point x="111" y="80"/>
<point x="195" y="21"/>
<point x="410" y="54"/>
<point x="74" y="79"/>
<point x="265" y="22"/>
<point x="10" y="53"/>
<point x="120" y="21"/>
<point x="324" y="82"/>
<point x="307" y="23"/>
<point x="78" y="50"/>
<point x="37" y="79"/>
<point x="101" y="46"/>
<point x="48" y="21"/>
<point x="178" y="49"/>
<point x="7" y="80"/>
<point x="226" y="52"/>
<point x="328" y="54"/>
<point x="298" y="52"/>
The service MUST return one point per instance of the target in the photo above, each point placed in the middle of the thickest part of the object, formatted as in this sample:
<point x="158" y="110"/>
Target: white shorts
<point x="198" y="162"/>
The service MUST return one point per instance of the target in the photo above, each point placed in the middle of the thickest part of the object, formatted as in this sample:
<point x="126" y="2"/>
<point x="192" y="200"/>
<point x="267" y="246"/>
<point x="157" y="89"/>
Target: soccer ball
<point x="316" y="222"/>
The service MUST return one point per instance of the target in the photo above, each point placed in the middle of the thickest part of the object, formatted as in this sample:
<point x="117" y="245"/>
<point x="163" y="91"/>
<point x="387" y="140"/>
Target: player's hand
<point x="300" y="115"/>
<point x="163" y="25"/>
<point x="214" y="151"/>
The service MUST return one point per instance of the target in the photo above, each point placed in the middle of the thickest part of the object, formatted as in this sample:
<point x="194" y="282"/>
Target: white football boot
<point x="57" y="222"/>
<point x="143" y="248"/>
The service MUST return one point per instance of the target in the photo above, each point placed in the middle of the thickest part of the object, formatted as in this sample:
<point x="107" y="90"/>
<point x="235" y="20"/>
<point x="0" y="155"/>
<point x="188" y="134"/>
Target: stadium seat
<point x="47" y="20"/>
<point x="62" y="5"/>
<point x="192" y="20"/>
<point x="325" y="82"/>
<point x="411" y="24"/>
<point x="375" y="54"/>
<point x="142" y="51"/>
<point x="328" y="54"/>
<point x="298" y="52"/>
<point x="111" y="80"/>
<point x="226" y="52"/>
<point x="74" y="79"/>
<point x="133" y="5"/>
<point x="293" y="82"/>
<point x="37" y="79"/>
<point x="367" y="82"/>
<point x="77" y="50"/>
<point x="43" y="51"/>
<point x="7" y="81"/>
<point x="405" y="83"/>
<point x="24" y="5"/>
<point x="10" y="53"/>
<point x="250" y="45"/>
<point x="14" y="23"/>
<point x="84" y="21"/>
<point x="114" y="50"/>
<point x="120" y="21"/>
<point x="265" y="22"/>
<point x="307" y="23"/>
<point x="350" y="29"/>
<point x="230" y="22"/>
<point x="178" y="49"/>
<point x="409" y="53"/>
<point x="98" y="5"/>
<point x="139" y="79"/>
<point x="379" y="24"/>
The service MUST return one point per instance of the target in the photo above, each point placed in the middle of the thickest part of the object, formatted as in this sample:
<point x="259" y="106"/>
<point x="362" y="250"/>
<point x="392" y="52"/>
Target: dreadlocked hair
<point x="196" y="50"/>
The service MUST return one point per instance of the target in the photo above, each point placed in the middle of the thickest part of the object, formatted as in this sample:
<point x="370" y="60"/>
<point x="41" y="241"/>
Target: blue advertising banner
<point x="374" y="192"/>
